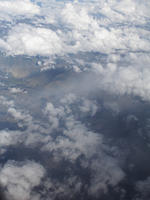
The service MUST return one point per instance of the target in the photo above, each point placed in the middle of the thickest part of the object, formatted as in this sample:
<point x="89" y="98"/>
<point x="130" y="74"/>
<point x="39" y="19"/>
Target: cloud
<point x="5" y="102"/>
<point x="75" y="138"/>
<point x="106" y="171"/>
<point x="29" y="40"/>
<point x="89" y="106"/>
<point x="13" y="8"/>
<point x="70" y="187"/>
<point x="75" y="141"/>
<point x="19" y="179"/>
<point x="128" y="76"/>
<point x="79" y="28"/>
<point x="20" y="116"/>
<point x="14" y="90"/>
<point x="88" y="47"/>
<point x="9" y="138"/>
<point x="69" y="139"/>
<point x="54" y="114"/>
<point x="143" y="188"/>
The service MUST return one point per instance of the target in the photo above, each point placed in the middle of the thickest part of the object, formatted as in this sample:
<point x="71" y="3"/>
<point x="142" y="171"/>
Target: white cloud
<point x="75" y="139"/>
<point x="5" y="102"/>
<point x="16" y="7"/>
<point x="128" y="76"/>
<point x="77" y="17"/>
<point x="112" y="27"/>
<point x="17" y="90"/>
<point x="8" y="138"/>
<point x="19" y="179"/>
<point x="64" y="135"/>
<point x="89" y="107"/>
<point x="81" y="27"/>
<point x="19" y="115"/>
<point x="54" y="114"/>
<point x="69" y="99"/>
<point x="28" y="40"/>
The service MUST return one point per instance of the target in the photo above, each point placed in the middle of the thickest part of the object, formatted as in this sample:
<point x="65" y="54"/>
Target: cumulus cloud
<point x="19" y="115"/>
<point x="28" y="40"/>
<point x="75" y="139"/>
<point x="14" y="8"/>
<point x="64" y="136"/>
<point x="9" y="138"/>
<point x="89" y="106"/>
<point x="5" y="102"/>
<point x="54" y="114"/>
<point x="104" y="43"/>
<point x="82" y="31"/>
<point x="128" y="76"/>
<point x="19" y="179"/>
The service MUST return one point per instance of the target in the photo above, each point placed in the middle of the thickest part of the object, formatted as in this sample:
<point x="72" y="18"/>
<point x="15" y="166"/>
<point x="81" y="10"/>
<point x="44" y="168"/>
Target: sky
<point x="74" y="99"/>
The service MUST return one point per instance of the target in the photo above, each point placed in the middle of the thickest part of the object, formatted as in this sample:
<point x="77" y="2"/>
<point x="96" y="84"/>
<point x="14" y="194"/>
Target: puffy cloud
<point x="69" y="99"/>
<point x="54" y="114"/>
<point x="9" y="138"/>
<point x="108" y="43"/>
<point x="77" y="17"/>
<point x="128" y="76"/>
<point x="13" y="8"/>
<point x="89" y="33"/>
<point x="75" y="139"/>
<point x="85" y="28"/>
<point x="68" y="139"/>
<point x="20" y="116"/>
<point x="89" y="106"/>
<point x="29" y="40"/>
<point x="19" y="179"/>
